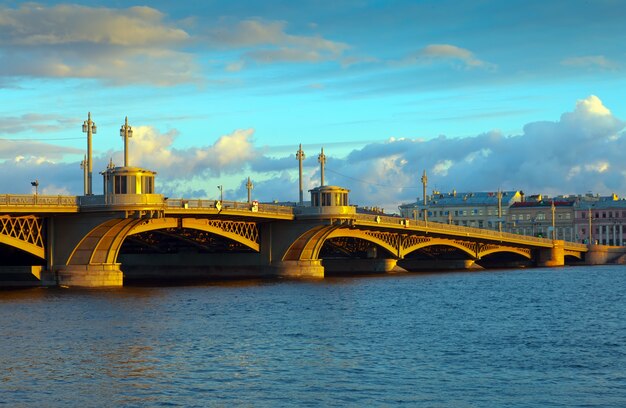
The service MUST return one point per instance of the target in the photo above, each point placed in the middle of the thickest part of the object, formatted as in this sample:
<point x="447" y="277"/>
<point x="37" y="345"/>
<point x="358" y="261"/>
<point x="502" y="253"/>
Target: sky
<point x="482" y="95"/>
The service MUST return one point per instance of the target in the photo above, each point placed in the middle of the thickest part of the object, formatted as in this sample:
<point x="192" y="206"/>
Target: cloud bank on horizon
<point x="580" y="152"/>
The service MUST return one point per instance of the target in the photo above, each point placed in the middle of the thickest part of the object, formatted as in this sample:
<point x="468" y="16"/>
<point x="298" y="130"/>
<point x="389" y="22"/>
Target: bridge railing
<point x="29" y="200"/>
<point x="449" y="228"/>
<point x="199" y="204"/>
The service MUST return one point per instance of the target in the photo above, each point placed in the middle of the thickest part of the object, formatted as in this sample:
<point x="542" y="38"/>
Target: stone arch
<point x="102" y="243"/>
<point x="308" y="245"/>
<point x="574" y="254"/>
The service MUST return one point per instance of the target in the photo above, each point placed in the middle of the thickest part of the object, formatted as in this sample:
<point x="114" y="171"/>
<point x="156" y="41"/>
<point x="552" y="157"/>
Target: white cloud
<point x="590" y="61"/>
<point x="448" y="52"/>
<point x="598" y="167"/>
<point x="154" y="150"/>
<point x="268" y="42"/>
<point x="441" y="168"/>
<point x="133" y="45"/>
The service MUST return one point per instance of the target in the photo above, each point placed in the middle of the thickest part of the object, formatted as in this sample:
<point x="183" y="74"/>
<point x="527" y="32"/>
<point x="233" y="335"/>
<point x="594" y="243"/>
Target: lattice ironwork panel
<point x="28" y="229"/>
<point x="488" y="247"/>
<point x="389" y="238"/>
<point x="413" y="240"/>
<point x="472" y="246"/>
<point x="247" y="230"/>
<point x="350" y="245"/>
<point x="173" y="240"/>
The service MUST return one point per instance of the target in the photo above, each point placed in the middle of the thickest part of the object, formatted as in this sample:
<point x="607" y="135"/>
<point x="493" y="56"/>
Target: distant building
<point x="608" y="221"/>
<point x="473" y="209"/>
<point x="534" y="218"/>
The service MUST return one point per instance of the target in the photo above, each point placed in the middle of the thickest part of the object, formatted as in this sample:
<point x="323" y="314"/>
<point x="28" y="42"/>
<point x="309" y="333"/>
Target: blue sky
<point x="482" y="94"/>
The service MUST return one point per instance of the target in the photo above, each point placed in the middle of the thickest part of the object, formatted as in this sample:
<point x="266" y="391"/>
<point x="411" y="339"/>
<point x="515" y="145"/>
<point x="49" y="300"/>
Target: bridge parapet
<point x="196" y="205"/>
<point x="16" y="201"/>
<point x="343" y="211"/>
<point x="436" y="227"/>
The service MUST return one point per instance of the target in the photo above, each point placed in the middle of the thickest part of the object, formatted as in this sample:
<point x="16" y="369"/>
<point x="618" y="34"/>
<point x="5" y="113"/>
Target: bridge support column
<point x="312" y="269"/>
<point x="554" y="256"/>
<point x="90" y="276"/>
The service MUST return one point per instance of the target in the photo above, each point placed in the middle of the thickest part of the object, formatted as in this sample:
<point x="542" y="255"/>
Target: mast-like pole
<point x="249" y="187"/>
<point x="322" y="161"/>
<point x="425" y="184"/>
<point x="89" y="127"/>
<point x="126" y="132"/>
<point x="300" y="156"/>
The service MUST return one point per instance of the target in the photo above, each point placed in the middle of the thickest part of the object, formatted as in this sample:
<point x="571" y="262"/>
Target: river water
<point x="528" y="338"/>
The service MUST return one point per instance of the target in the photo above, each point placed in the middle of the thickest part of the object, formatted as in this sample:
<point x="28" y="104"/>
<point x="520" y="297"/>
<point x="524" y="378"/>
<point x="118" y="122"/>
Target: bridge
<point x="93" y="241"/>
<point x="131" y="232"/>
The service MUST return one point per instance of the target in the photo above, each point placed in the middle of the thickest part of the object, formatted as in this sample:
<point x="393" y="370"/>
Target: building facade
<point x="543" y="218"/>
<point x="607" y="219"/>
<point x="474" y="209"/>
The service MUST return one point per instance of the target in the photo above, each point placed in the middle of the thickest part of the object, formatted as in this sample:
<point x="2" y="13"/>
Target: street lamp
<point x="300" y="156"/>
<point x="36" y="185"/>
<point x="90" y="128"/>
<point x="83" y="166"/>
<point x="321" y="158"/>
<point x="553" y="208"/>
<point x="249" y="187"/>
<point x="589" y="217"/>
<point x="424" y="184"/>
<point x="126" y="131"/>
<point x="221" y="188"/>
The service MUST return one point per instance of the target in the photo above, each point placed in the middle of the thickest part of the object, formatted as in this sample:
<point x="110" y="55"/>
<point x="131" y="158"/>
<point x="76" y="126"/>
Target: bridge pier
<point x="361" y="266"/>
<point x="90" y="276"/>
<point x="417" y="265"/>
<point x="554" y="256"/>
<point x="308" y="269"/>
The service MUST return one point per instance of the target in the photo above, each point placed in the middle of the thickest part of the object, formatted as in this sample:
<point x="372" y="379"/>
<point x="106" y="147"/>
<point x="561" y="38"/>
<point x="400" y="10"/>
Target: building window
<point x="120" y="185"/>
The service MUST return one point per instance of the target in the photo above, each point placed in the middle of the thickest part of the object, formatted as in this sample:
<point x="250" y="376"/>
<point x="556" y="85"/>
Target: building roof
<point x="601" y="205"/>
<point x="544" y="203"/>
<point x="467" y="199"/>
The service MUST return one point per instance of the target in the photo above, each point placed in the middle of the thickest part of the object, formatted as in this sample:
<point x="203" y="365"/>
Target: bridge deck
<point x="436" y="228"/>
<point x="43" y="204"/>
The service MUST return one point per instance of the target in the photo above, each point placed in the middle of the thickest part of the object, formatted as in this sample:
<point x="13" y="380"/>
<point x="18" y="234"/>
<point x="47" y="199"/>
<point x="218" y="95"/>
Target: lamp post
<point x="36" y="185"/>
<point x="221" y="188"/>
<point x="589" y="217"/>
<point x="424" y="184"/>
<point x="553" y="208"/>
<point x="300" y="157"/>
<point x="499" y="210"/>
<point x="83" y="166"/>
<point x="249" y="187"/>
<point x="90" y="128"/>
<point x="321" y="158"/>
<point x="126" y="131"/>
